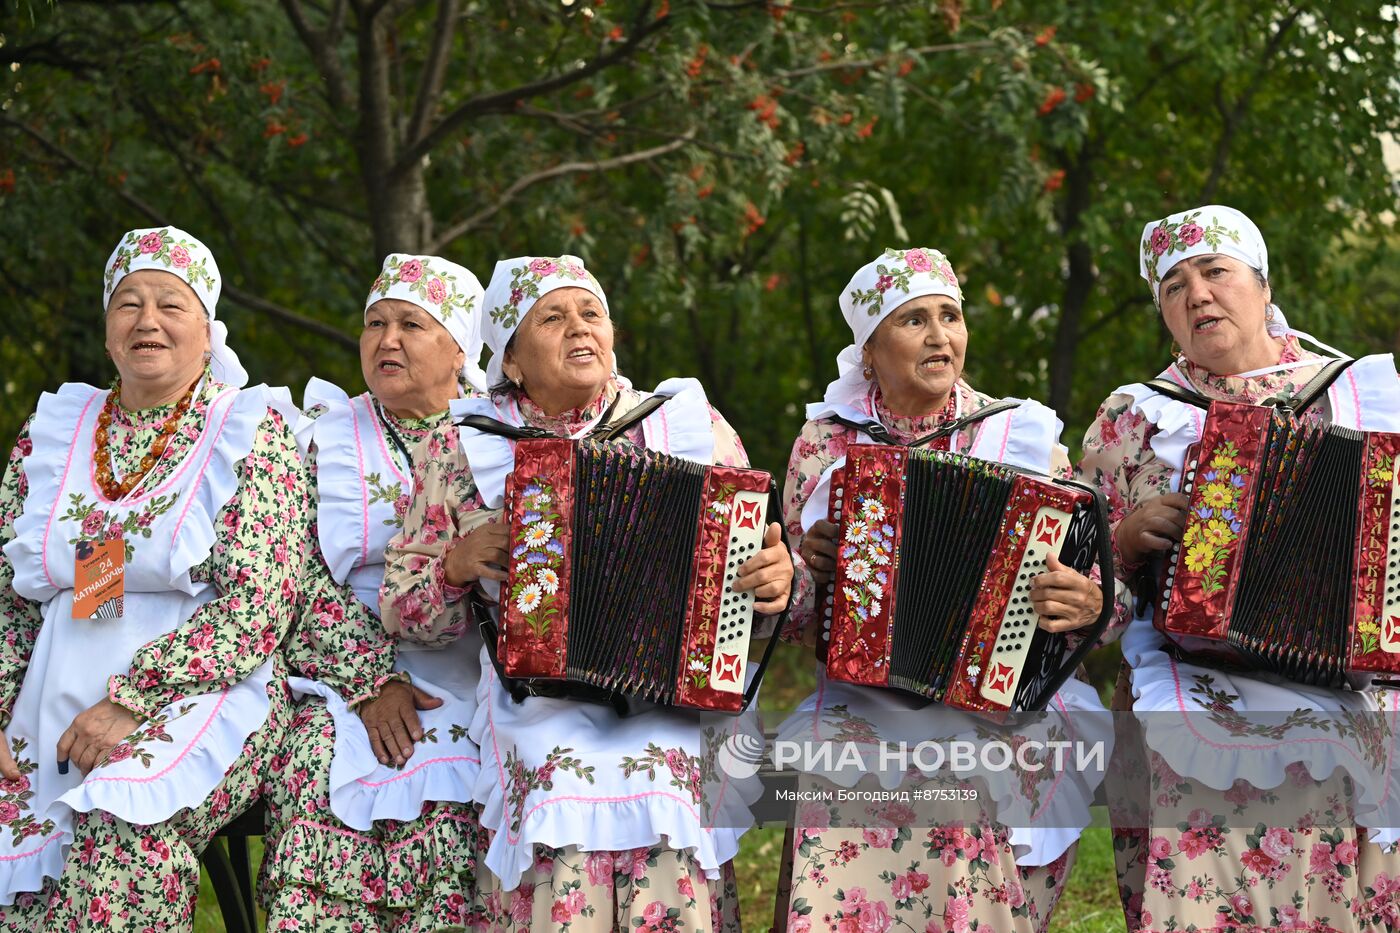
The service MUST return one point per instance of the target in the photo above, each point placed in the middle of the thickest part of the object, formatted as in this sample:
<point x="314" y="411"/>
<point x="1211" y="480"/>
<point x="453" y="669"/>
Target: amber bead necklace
<point x="112" y="489"/>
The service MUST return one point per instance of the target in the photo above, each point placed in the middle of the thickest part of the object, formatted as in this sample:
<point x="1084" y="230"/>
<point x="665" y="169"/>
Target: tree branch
<point x="1230" y="119"/>
<point x="505" y="101"/>
<point x="434" y="70"/>
<point x="1118" y="311"/>
<point x="261" y="305"/>
<point x="534" y="178"/>
<point x="49" y="52"/>
<point x="322" y="49"/>
<point x="884" y="59"/>
<point x="237" y="295"/>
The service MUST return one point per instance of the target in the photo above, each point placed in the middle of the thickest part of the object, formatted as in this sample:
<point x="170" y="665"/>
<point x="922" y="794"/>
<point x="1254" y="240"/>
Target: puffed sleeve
<point x="815" y="449"/>
<point x="1119" y="461"/>
<point x="255" y="568"/>
<point x="20" y="617"/>
<point x="416" y="601"/>
<point x="336" y="638"/>
<point x="729" y="449"/>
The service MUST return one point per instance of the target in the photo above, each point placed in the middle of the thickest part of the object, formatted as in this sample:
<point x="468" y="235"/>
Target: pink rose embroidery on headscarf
<point x="179" y="256"/>
<point x="151" y="243"/>
<point x="1190" y="234"/>
<point x="1160" y="240"/>
<point x="411" y="271"/>
<point x="436" y="291"/>
<point x="543" y="267"/>
<point x="918" y="260"/>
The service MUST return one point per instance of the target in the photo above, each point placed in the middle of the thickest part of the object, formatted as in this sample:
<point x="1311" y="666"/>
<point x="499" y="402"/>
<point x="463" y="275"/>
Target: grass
<point x="206" y="915"/>
<point x="1089" y="904"/>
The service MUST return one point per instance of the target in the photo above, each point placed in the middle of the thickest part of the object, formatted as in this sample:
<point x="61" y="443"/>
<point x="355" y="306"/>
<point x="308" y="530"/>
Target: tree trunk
<point x="397" y="210"/>
<point x="397" y="200"/>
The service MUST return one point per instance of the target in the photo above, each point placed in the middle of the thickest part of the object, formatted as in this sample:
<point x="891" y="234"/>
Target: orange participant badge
<point x="98" y="579"/>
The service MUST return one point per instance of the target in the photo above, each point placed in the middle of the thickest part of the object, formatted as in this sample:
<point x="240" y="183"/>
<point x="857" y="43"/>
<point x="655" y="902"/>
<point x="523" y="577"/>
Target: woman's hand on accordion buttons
<point x="1153" y="526"/>
<point x="1064" y="598"/>
<point x="391" y="719"/>
<point x="480" y="554"/>
<point x="768" y="573"/>
<point x="818" y="551"/>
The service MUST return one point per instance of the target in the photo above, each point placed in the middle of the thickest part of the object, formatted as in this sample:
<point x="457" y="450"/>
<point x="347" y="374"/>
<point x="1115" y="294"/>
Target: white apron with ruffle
<point x="533" y="786"/>
<point x="1179" y="727"/>
<point x="176" y="759"/>
<point x="1045" y="819"/>
<point x="363" y="493"/>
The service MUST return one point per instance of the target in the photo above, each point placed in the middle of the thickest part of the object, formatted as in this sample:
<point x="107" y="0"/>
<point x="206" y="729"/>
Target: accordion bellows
<point x="621" y="572"/>
<point x="1290" y="558"/>
<point x="931" y="593"/>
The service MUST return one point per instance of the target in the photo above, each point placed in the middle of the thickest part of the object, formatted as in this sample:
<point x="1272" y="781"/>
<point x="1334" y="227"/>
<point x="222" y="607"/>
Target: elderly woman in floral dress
<point x="1248" y="825"/>
<point x="357" y="841"/>
<point x="590" y="820"/>
<point x="900" y="382"/>
<point x="138" y="716"/>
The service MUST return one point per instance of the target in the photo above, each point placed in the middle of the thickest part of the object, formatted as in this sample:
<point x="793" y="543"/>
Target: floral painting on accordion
<point x="1213" y="527"/>
<point x="539" y="555"/>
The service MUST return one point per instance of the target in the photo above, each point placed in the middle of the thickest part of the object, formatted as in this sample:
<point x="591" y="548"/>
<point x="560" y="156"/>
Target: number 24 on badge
<point x="98" y="584"/>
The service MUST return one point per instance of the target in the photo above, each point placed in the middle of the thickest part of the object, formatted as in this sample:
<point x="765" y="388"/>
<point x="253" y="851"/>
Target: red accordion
<point x="931" y="593"/>
<point x="621" y="571"/>
<point x="1290" y="558"/>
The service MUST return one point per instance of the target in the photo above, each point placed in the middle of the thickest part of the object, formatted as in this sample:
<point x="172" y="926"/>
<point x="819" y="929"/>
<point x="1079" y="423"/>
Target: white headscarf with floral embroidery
<point x="449" y="293"/>
<point x="1203" y="231"/>
<point x="516" y="285"/>
<point x="873" y="294"/>
<point x="170" y="249"/>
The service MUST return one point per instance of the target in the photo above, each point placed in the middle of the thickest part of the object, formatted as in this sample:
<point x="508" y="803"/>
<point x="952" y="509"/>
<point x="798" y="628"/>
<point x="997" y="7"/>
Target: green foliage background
<point x="1028" y="141"/>
<point x="723" y="166"/>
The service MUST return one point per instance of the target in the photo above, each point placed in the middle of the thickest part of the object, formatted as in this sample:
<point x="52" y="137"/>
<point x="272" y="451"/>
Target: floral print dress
<point x="1279" y="847"/>
<point x="574" y="884"/>
<point x="227" y="502"/>
<point x="879" y="871"/>
<point x="319" y="873"/>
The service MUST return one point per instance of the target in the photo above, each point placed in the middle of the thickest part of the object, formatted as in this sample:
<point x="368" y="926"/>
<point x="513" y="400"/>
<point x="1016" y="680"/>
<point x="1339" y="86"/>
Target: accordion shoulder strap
<point x="878" y="433"/>
<point x="995" y="408"/>
<point x="1315" y="388"/>
<point x="605" y="430"/>
<point x="1318" y="385"/>
<point x="1172" y="390"/>
<point x="611" y="430"/>
<point x="491" y="426"/>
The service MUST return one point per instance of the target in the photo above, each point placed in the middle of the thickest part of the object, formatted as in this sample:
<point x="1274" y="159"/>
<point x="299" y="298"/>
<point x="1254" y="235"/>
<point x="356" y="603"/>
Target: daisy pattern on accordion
<point x="538" y="551"/>
<point x="867" y="547"/>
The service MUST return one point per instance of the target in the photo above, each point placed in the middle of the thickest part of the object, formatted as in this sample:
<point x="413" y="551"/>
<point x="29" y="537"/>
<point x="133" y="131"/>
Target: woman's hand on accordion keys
<point x="818" y="551"/>
<point x="1153" y="526"/>
<point x="1064" y="598"/>
<point x="768" y="573"/>
<point x="480" y="554"/>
